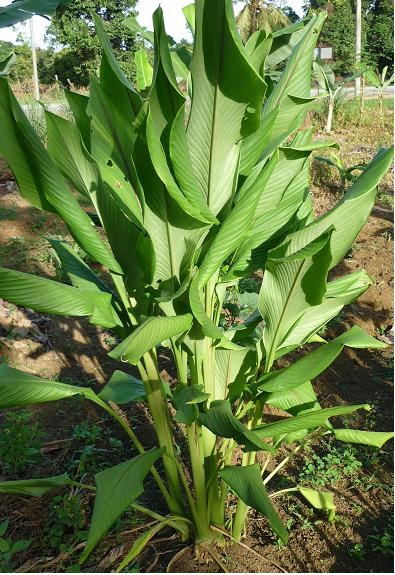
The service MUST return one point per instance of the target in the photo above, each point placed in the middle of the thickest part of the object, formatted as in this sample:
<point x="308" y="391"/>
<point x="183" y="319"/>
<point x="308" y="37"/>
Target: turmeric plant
<point x="194" y="193"/>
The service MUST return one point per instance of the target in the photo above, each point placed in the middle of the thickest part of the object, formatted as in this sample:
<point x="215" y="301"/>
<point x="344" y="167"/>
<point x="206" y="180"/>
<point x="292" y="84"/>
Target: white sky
<point x="174" y="19"/>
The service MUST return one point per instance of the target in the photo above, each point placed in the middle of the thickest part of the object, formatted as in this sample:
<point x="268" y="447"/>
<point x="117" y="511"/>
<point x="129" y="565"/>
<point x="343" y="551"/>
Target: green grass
<point x="8" y="212"/>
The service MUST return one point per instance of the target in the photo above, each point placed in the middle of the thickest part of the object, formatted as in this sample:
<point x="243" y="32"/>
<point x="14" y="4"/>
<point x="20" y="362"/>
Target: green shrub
<point x="191" y="201"/>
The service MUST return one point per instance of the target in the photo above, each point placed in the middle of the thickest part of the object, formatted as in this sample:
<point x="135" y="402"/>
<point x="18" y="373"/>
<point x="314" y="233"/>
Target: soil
<point x="72" y="350"/>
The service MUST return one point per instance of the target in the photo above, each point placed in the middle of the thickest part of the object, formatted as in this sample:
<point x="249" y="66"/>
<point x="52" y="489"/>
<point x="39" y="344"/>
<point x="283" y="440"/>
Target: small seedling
<point x="357" y="551"/>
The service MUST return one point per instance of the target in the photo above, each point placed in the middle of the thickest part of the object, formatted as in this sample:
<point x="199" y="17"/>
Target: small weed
<point x="8" y="212"/>
<point x="330" y="468"/>
<point x="383" y="542"/>
<point x="9" y="548"/>
<point x="357" y="508"/>
<point x="66" y="522"/>
<point x="91" y="453"/>
<point x="38" y="219"/>
<point x="385" y="200"/>
<point x="357" y="551"/>
<point x="20" y="442"/>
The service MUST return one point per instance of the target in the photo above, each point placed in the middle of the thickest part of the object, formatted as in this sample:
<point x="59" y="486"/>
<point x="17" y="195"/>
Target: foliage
<point x="380" y="34"/>
<point x="73" y="27"/>
<point x="189" y="208"/>
<point x="339" y="32"/>
<point x="9" y="547"/>
<point x="20" y="442"/>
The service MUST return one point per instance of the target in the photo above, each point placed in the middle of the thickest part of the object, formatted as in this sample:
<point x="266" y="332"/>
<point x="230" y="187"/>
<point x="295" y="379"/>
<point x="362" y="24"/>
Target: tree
<point x="338" y="31"/>
<point x="257" y="15"/>
<point x="380" y="34"/>
<point x="73" y="28"/>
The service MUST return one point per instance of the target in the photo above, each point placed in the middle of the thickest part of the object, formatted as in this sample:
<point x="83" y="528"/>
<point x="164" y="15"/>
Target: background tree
<point x="338" y="31"/>
<point x="72" y="27"/>
<point x="380" y="34"/>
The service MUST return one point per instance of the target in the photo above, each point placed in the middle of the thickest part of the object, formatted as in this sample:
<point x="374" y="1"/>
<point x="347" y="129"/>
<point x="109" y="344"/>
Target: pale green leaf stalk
<point x="195" y="192"/>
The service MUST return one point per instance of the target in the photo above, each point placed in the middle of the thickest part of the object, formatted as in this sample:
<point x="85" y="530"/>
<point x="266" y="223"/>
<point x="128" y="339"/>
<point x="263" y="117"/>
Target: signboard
<point x="324" y="52"/>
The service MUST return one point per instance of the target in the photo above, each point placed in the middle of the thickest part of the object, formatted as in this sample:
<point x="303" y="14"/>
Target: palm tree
<point x="258" y="15"/>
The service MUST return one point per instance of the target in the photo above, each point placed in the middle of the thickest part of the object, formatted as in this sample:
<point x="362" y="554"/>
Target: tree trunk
<point x="358" y="43"/>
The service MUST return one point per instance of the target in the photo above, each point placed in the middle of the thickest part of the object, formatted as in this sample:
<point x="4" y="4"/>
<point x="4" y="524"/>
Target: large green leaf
<point x="7" y="64"/>
<point x="186" y="400"/>
<point x="291" y="96"/>
<point x="78" y="272"/>
<point x="294" y="280"/>
<point x="247" y="483"/>
<point x="78" y="104"/>
<point x="49" y="296"/>
<point x="39" y="180"/>
<point x="274" y="216"/>
<point x="310" y="420"/>
<point x="34" y="487"/>
<point x="298" y="400"/>
<point x="149" y="334"/>
<point x="116" y="489"/>
<point x="284" y="41"/>
<point x="320" y="500"/>
<point x="220" y="420"/>
<point x="123" y="388"/>
<point x="232" y="368"/>
<point x="339" y="293"/>
<point x="224" y="110"/>
<point x="166" y="102"/>
<point x="350" y="214"/>
<point x="143" y="69"/>
<point x="19" y="388"/>
<point x="20" y="10"/>
<point x="64" y="143"/>
<point x="374" y="438"/>
<point x="189" y="13"/>
<point x="173" y="233"/>
<point x="112" y="143"/>
<point x="315" y="362"/>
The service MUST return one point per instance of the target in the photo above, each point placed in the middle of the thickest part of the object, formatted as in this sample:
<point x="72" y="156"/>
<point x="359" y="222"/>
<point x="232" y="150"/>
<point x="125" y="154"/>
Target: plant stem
<point x="160" y="414"/>
<point x="277" y="493"/>
<point x="197" y="463"/>
<point x="242" y="508"/>
<point x="281" y="464"/>
<point x="248" y="459"/>
<point x="125" y="426"/>
<point x="202" y="529"/>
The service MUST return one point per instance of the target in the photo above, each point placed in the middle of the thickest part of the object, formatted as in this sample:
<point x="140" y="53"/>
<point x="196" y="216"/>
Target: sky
<point x="174" y="19"/>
